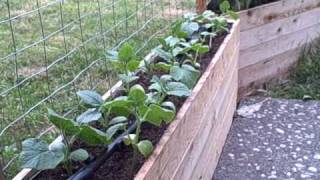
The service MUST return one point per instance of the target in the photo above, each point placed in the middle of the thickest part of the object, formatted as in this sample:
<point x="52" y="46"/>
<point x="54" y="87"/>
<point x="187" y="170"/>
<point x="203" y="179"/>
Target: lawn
<point x="51" y="49"/>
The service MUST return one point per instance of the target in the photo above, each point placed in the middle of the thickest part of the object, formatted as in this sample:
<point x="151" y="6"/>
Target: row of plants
<point x="237" y="5"/>
<point x="146" y="96"/>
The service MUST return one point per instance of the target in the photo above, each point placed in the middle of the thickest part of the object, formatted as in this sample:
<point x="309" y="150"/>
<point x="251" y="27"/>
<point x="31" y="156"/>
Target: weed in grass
<point x="304" y="82"/>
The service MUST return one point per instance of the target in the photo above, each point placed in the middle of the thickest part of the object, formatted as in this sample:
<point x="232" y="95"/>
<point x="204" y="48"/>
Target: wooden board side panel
<point x="266" y="32"/>
<point x="269" y="68"/>
<point x="211" y="153"/>
<point x="271" y="12"/>
<point x="277" y="46"/>
<point x="172" y="145"/>
<point x="191" y="156"/>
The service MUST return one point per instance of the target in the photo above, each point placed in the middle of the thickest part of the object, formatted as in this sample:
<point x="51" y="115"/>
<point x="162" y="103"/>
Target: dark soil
<point x="120" y="165"/>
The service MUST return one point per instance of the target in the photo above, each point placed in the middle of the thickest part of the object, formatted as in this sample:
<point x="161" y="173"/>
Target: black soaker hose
<point x="86" y="172"/>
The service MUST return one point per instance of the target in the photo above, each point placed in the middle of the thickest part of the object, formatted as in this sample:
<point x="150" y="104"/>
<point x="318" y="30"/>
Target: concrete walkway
<point x="272" y="139"/>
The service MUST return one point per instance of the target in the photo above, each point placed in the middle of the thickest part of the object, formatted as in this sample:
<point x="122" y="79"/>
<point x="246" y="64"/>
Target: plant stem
<point x="134" y="144"/>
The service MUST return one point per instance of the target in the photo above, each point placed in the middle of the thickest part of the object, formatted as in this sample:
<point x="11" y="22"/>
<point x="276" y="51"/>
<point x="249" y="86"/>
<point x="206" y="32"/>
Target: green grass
<point x="27" y="30"/>
<point x="304" y="82"/>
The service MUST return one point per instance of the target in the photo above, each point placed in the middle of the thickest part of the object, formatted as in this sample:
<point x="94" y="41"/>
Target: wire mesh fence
<point x="51" y="49"/>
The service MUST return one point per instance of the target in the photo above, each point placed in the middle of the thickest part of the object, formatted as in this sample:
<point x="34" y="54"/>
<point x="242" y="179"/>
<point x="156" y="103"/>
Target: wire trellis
<point x="51" y="49"/>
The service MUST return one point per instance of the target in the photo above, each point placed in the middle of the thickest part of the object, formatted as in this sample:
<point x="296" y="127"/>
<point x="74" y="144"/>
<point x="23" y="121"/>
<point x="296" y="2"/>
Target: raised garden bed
<point x="272" y="37"/>
<point x="189" y="147"/>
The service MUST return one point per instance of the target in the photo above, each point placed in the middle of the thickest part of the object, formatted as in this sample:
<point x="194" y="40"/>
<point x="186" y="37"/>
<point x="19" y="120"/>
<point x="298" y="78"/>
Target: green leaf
<point x="163" y="66"/>
<point x="169" y="105"/>
<point x="200" y="48"/>
<point x="163" y="54"/>
<point x="93" y="136"/>
<point x="118" y="119"/>
<point x="129" y="139"/>
<point x="126" y="53"/>
<point x="224" y="6"/>
<point x="133" y="65"/>
<point x="120" y="106"/>
<point x="185" y="74"/>
<point x="91" y="98"/>
<point x="156" y="114"/>
<point x="66" y="125"/>
<point x="137" y="94"/>
<point x="178" y="89"/>
<point x="172" y="41"/>
<point x="112" y="130"/>
<point x="233" y="15"/>
<point x="37" y="155"/>
<point x="79" y="155"/>
<point x="190" y="27"/>
<point x="176" y="30"/>
<point x="145" y="147"/>
<point x="127" y="79"/>
<point x="90" y="115"/>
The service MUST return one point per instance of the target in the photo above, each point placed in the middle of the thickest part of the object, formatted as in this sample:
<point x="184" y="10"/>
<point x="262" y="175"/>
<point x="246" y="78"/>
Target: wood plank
<point x="173" y="143"/>
<point x="255" y="75"/>
<point x="219" y="103"/>
<point x="277" y="46"/>
<point x="274" y="11"/>
<point x="211" y="153"/>
<point x="276" y="29"/>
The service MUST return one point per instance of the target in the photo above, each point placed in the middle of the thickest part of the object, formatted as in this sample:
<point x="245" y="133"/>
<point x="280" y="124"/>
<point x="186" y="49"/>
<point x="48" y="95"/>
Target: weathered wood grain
<point x="277" y="46"/>
<point x="255" y="75"/>
<point x="276" y="29"/>
<point x="217" y="106"/>
<point x="271" y="37"/>
<point x="274" y="11"/>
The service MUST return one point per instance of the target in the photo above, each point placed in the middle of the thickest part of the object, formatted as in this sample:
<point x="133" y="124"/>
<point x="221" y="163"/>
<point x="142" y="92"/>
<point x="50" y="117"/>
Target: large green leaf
<point x="156" y="114"/>
<point x="90" y="115"/>
<point x="120" y="106"/>
<point x="137" y="94"/>
<point x="163" y="54"/>
<point x="79" y="155"/>
<point x="68" y="126"/>
<point x="133" y="65"/>
<point x="172" y="41"/>
<point x="126" y="53"/>
<point x="118" y="119"/>
<point x="165" y="67"/>
<point x="93" y="136"/>
<point x="178" y="89"/>
<point x="145" y="147"/>
<point x="190" y="27"/>
<point x="185" y="74"/>
<point x="112" y="130"/>
<point x="91" y="98"/>
<point x="37" y="155"/>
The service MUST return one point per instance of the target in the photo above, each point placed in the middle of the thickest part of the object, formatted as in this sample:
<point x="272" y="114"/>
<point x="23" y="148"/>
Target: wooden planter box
<point x="191" y="146"/>
<point x="272" y="37"/>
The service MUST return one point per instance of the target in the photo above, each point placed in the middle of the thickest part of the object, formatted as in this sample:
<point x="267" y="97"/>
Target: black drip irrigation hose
<point x="86" y="172"/>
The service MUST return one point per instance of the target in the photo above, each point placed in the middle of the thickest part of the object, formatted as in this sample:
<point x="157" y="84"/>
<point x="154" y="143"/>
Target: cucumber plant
<point x="178" y="72"/>
<point x="125" y="63"/>
<point x="37" y="154"/>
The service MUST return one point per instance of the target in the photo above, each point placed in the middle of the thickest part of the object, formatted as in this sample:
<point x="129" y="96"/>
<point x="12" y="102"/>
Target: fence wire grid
<point x="50" y="49"/>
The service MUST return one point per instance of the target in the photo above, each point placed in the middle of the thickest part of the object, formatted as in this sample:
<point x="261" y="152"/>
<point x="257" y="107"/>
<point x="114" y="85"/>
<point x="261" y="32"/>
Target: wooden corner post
<point x="201" y="5"/>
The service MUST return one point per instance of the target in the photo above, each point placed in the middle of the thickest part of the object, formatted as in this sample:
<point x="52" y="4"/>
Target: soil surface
<point x="121" y="165"/>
